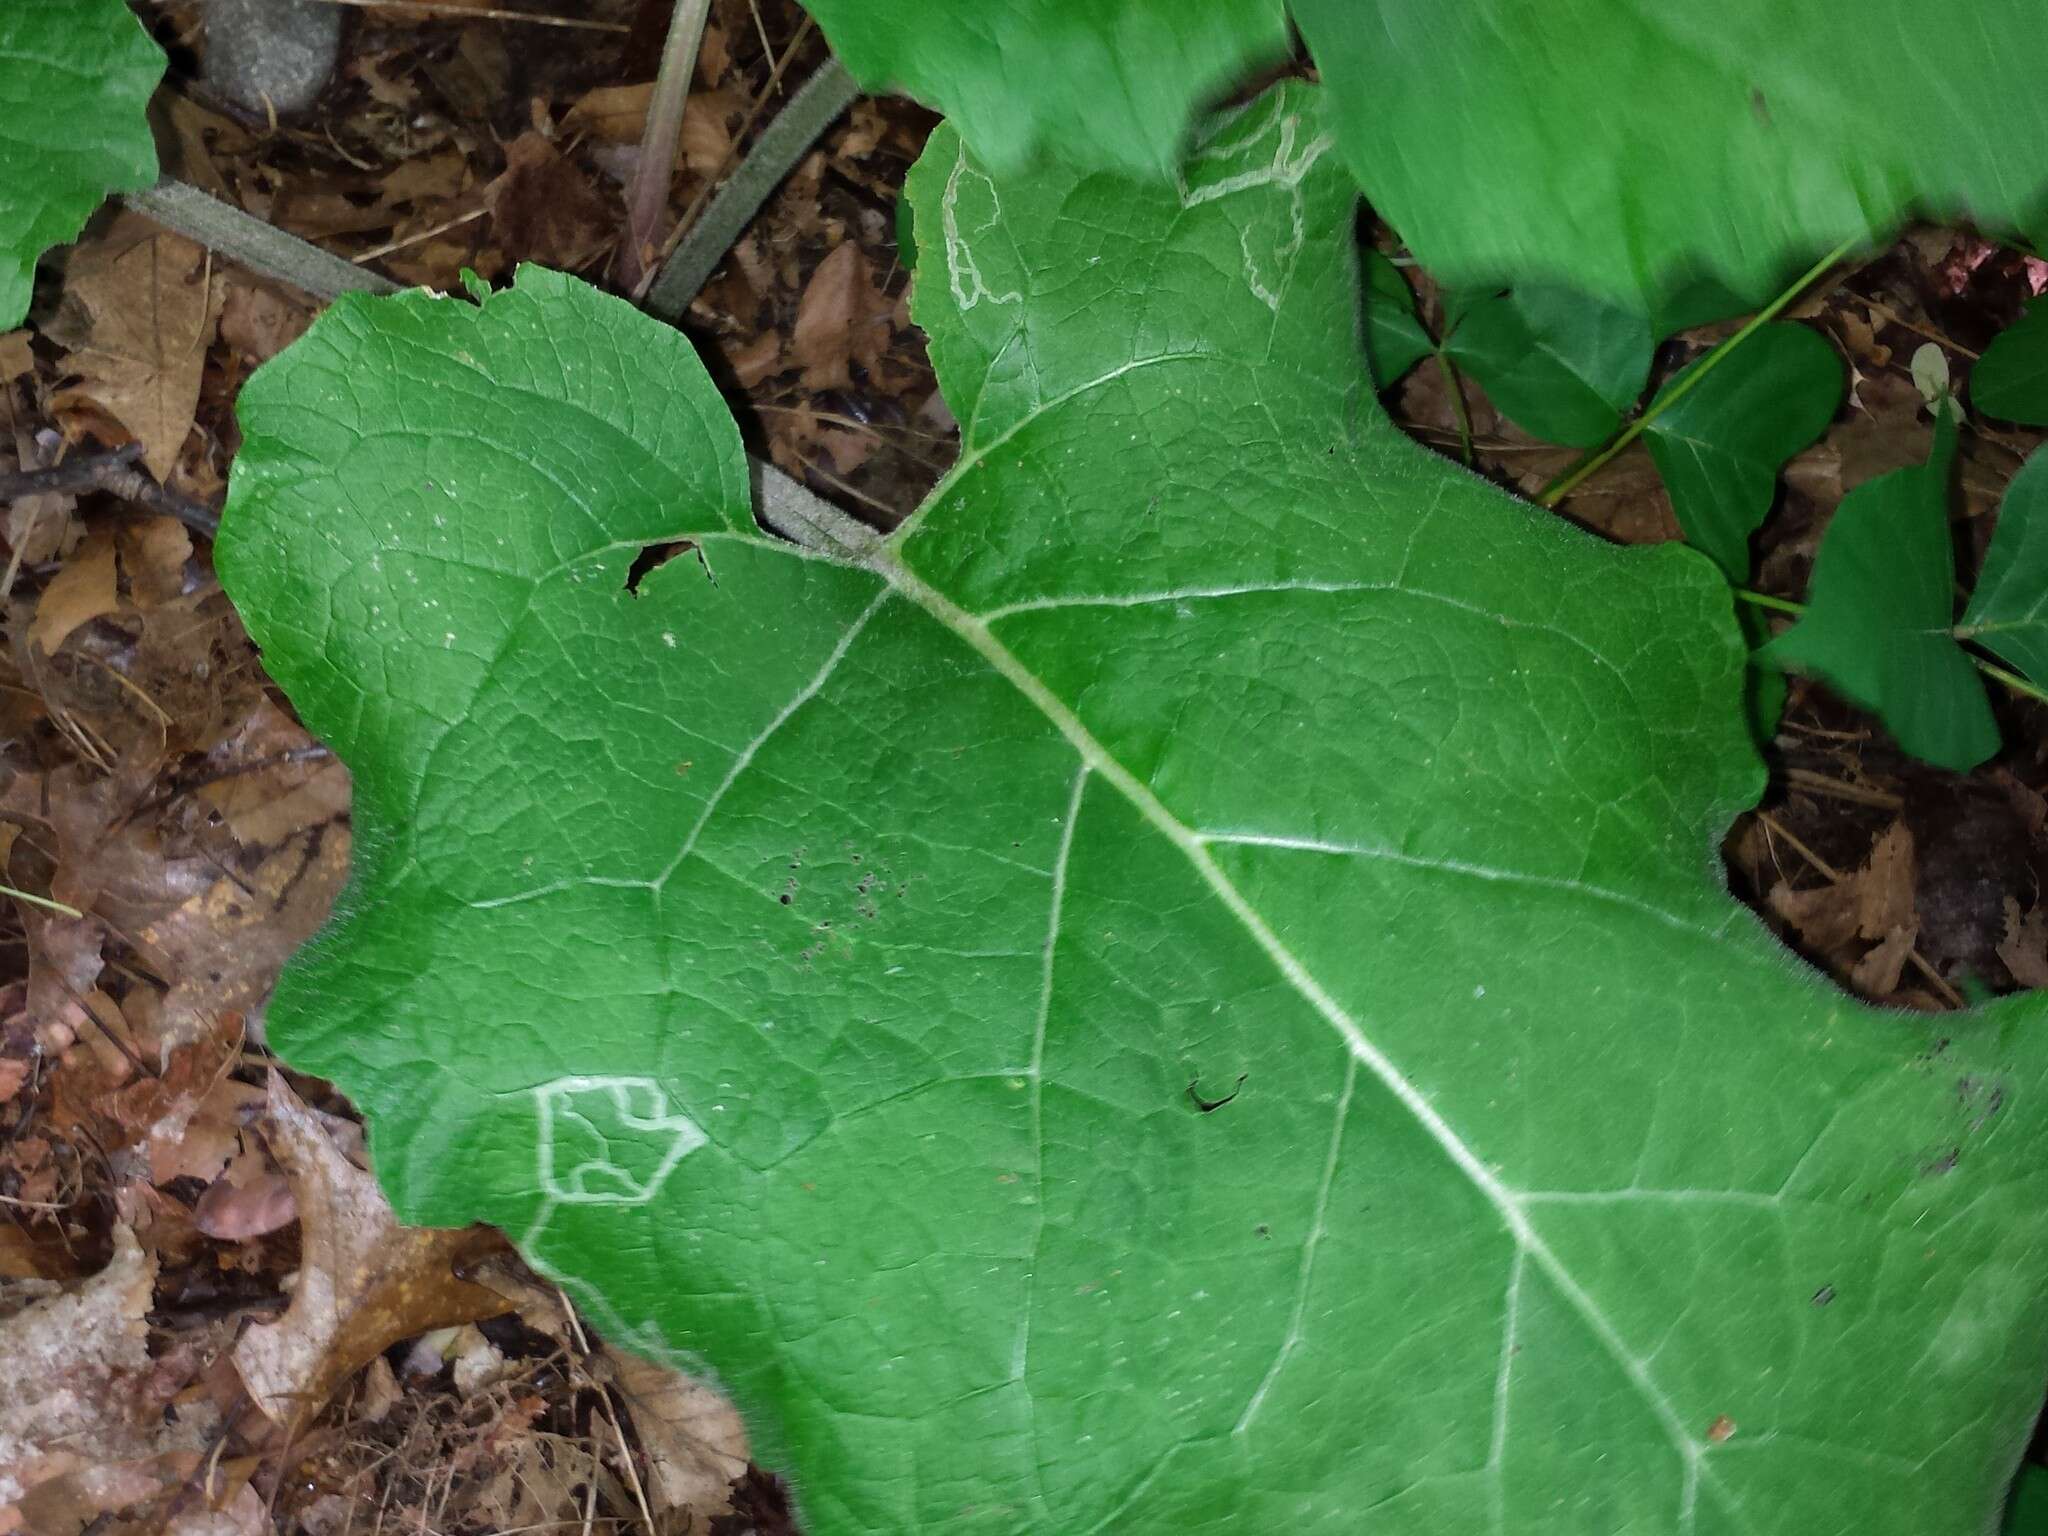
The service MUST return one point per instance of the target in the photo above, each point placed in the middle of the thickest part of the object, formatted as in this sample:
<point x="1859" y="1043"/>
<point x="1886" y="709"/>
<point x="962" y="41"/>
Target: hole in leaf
<point x="1209" y="1106"/>
<point x="655" y="555"/>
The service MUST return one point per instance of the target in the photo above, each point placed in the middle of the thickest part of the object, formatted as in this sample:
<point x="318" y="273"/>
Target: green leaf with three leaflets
<point x="1719" y="448"/>
<point x="1561" y="366"/>
<point x="2008" y="611"/>
<point x="1879" y="617"/>
<point x="2010" y="381"/>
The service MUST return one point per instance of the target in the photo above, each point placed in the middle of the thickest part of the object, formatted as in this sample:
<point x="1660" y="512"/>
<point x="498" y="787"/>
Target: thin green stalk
<point x="1565" y="485"/>
<point x="2011" y="680"/>
<point x="1458" y="409"/>
<point x="1989" y="668"/>
<point x="40" y="901"/>
<point x="1765" y="600"/>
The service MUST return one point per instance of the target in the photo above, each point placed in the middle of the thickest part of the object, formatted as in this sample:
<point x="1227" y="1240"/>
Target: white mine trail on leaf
<point x="638" y="1104"/>
<point x="1288" y="167"/>
<point x="968" y="287"/>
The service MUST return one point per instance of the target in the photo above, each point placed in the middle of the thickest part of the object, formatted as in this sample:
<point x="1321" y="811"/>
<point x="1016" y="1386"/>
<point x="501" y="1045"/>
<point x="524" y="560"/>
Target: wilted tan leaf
<point x="836" y="305"/>
<point x="142" y="304"/>
<point x="82" y="591"/>
<point x="364" y="1282"/>
<point x="695" y="1442"/>
<point x="15" y="356"/>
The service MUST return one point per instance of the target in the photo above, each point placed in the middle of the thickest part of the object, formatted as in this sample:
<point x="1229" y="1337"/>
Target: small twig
<point x="727" y="160"/>
<point x="1840" y="789"/>
<point x="1571" y="478"/>
<point x="119" y="473"/>
<point x="473" y="13"/>
<point x="426" y="234"/>
<point x="656" y="167"/>
<point x="605" y="1397"/>
<point x="775" y="154"/>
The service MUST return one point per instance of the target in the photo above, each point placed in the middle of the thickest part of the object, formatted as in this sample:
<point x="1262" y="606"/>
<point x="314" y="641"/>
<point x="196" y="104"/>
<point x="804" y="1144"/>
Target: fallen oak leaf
<point x="365" y="1282"/>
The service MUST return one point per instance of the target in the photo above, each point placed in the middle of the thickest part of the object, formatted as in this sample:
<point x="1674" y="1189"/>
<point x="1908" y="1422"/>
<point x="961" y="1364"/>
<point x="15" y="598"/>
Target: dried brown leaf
<point x="2024" y="949"/>
<point x="85" y="589"/>
<point x="82" y="1405"/>
<point x="544" y="208"/>
<point x="142" y="306"/>
<point x="365" y="1282"/>
<point x="15" y="357"/>
<point x="695" y="1442"/>
<point x="832" y="302"/>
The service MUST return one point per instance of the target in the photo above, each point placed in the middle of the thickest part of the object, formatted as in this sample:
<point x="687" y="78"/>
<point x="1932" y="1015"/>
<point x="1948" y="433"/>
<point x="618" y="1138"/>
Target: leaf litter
<point x="324" y="1368"/>
<point x="156" y="783"/>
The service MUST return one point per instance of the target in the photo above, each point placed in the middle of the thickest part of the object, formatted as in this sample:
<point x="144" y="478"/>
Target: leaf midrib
<point x="1507" y="1205"/>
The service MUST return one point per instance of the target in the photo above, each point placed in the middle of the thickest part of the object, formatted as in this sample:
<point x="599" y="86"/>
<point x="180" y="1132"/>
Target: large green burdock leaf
<point x="824" y="967"/>
<point x="1095" y="82"/>
<point x="1683" y="160"/>
<point x="74" y="78"/>
<point x="1679" y="160"/>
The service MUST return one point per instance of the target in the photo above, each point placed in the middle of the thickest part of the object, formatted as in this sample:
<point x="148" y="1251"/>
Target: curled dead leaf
<point x="365" y="1281"/>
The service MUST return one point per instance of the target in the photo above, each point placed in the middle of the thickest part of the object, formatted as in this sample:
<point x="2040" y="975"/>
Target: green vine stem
<point x="1571" y="479"/>
<point x="1989" y="668"/>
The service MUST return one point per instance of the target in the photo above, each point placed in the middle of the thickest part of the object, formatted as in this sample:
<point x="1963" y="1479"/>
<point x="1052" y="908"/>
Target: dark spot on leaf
<point x="1209" y="1106"/>
<point x="1942" y="1164"/>
<point x="1987" y="1099"/>
<point x="785" y="898"/>
<point x="1760" y="107"/>
<point x="1263" y="1230"/>
<point x="1824" y="1295"/>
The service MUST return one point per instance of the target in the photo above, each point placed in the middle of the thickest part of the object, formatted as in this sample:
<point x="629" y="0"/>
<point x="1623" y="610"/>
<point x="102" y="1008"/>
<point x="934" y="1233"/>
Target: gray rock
<point x="264" y="54"/>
